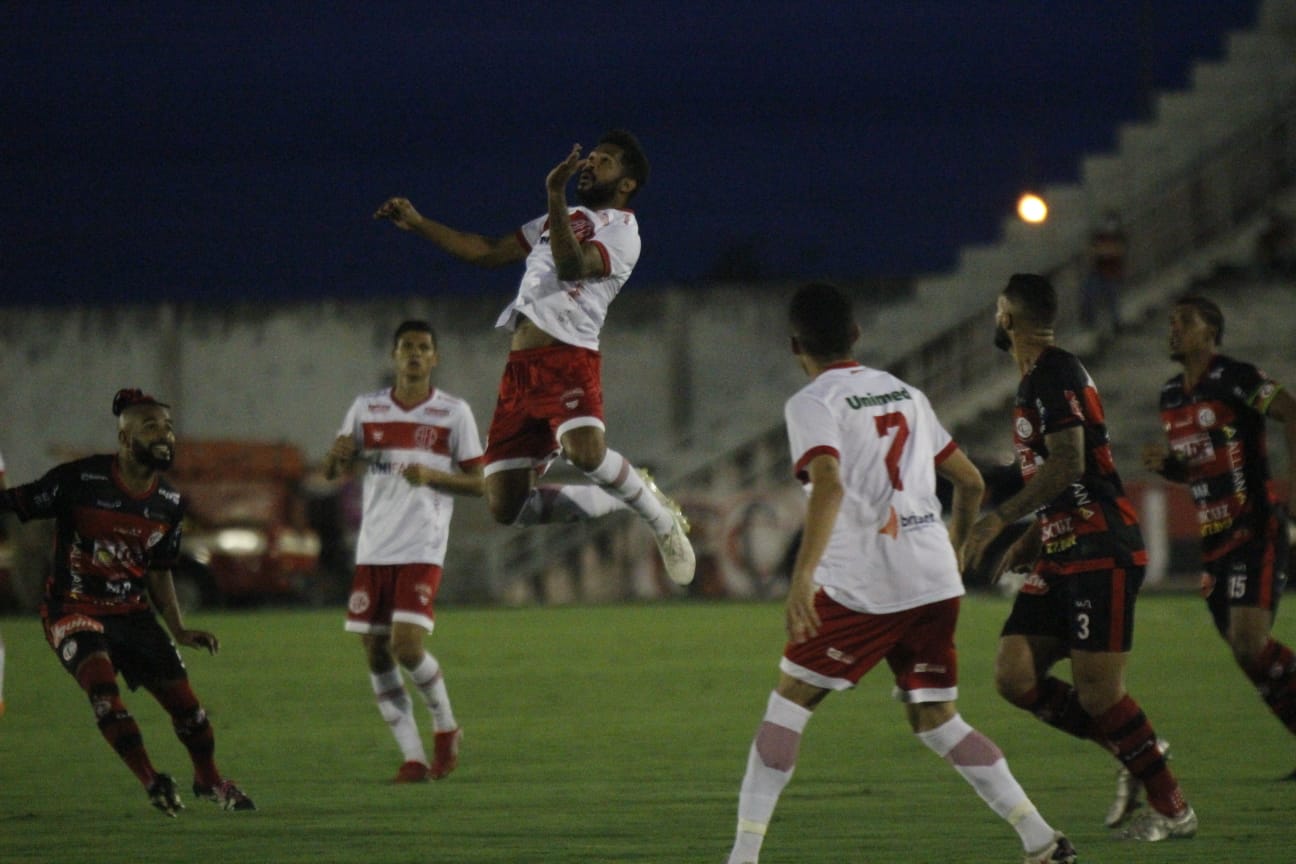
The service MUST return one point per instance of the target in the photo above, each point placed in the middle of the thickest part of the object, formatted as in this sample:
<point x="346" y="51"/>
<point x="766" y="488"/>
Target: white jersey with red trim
<point x="401" y="523"/>
<point x="573" y="312"/>
<point x="889" y="548"/>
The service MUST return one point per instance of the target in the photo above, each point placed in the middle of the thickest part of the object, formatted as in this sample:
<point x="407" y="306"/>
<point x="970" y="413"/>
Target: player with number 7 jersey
<point x="889" y="549"/>
<point x="876" y="578"/>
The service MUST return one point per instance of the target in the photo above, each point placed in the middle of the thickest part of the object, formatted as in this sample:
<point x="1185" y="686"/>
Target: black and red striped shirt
<point x="1217" y="436"/>
<point x="1091" y="525"/>
<point x="106" y="537"/>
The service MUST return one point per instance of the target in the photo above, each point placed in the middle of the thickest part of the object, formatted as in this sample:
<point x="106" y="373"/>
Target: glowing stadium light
<point x="1031" y="208"/>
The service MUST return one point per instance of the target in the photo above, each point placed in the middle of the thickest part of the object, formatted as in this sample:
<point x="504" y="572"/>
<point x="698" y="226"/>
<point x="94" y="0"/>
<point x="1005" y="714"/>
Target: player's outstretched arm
<point x="1064" y="466"/>
<point x="162" y="593"/>
<point x="474" y="248"/>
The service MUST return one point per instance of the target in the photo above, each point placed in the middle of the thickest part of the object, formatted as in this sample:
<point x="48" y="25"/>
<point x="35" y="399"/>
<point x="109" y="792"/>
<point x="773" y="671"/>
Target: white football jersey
<point x="573" y="312"/>
<point x="401" y="523"/>
<point x="889" y="548"/>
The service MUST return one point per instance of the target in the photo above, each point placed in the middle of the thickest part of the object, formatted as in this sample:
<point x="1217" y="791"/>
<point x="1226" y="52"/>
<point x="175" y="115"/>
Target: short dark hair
<point x="632" y="156"/>
<point x="822" y="320"/>
<point x="1208" y="310"/>
<point x="414" y="325"/>
<point x="1034" y="296"/>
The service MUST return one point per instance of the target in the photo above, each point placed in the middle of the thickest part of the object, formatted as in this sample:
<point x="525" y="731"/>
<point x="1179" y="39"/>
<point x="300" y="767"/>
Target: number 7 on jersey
<point x="886" y="423"/>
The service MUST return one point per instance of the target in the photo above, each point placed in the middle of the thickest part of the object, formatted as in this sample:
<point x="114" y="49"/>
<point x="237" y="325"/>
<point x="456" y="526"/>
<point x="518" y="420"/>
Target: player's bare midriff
<point x="529" y="335"/>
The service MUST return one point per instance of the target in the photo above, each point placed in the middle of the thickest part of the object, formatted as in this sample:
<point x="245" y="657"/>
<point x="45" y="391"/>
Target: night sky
<point x="236" y="151"/>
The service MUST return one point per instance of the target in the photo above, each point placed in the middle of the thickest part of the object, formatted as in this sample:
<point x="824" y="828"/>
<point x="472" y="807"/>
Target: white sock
<point x="620" y="479"/>
<point x="570" y="503"/>
<point x="396" y="708"/>
<point x="983" y="766"/>
<point x="770" y="764"/>
<point x="430" y="682"/>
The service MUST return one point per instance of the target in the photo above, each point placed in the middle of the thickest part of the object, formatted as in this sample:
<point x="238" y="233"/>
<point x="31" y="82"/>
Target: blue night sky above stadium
<point x="236" y="151"/>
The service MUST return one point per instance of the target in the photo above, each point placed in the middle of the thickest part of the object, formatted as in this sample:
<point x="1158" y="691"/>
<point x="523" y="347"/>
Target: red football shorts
<point x="384" y="593"/>
<point x="543" y="393"/>
<point x="918" y="645"/>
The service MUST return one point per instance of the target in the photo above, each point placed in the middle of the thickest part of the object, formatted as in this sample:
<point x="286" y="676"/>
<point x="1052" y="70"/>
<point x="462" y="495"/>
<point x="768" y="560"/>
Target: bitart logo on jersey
<point x="896" y="523"/>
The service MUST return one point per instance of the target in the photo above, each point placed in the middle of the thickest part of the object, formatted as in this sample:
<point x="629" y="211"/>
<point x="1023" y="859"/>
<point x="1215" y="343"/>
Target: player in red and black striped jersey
<point x="117" y="534"/>
<point x="1214" y="416"/>
<point x="1088" y="561"/>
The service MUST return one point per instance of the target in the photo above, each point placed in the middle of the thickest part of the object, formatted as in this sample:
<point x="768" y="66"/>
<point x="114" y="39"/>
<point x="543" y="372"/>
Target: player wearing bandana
<point x="117" y="536"/>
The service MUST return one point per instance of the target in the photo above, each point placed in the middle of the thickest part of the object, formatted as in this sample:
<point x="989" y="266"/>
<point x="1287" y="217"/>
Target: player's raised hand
<point x="564" y="170"/>
<point x="400" y="212"/>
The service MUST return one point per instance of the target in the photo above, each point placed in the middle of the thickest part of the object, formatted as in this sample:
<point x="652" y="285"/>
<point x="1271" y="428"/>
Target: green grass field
<point x="614" y="734"/>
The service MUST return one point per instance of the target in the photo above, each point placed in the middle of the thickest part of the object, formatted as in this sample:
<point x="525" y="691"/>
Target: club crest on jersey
<point x="1205" y="416"/>
<point x="358" y="603"/>
<point x="425" y="437"/>
<point x="1024" y="428"/>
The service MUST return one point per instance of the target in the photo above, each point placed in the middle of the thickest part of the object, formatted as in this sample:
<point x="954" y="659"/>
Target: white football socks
<point x="573" y="502"/>
<point x="430" y="682"/>
<point x="770" y="764"/>
<point x="396" y="708"/>
<point x="983" y="766"/>
<point x="620" y="479"/>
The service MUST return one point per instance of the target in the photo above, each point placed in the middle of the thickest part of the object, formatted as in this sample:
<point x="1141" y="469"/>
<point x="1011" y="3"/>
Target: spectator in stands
<point x="1102" y="287"/>
<point x="1214" y="415"/>
<point x="1276" y="246"/>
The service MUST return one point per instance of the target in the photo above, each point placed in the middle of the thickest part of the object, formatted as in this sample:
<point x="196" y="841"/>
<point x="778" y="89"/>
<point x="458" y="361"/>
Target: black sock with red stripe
<point x="1274" y="674"/>
<point x="191" y="727"/>
<point x="1058" y="704"/>
<point x="98" y="679"/>
<point x="1130" y="735"/>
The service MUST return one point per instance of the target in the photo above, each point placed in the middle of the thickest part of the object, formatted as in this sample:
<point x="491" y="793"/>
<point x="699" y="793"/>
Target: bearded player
<point x="117" y="536"/>
<point x="551" y="395"/>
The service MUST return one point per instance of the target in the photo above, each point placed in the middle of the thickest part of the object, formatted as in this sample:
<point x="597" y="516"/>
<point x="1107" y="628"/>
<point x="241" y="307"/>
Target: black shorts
<point x="1087" y="611"/>
<point x="136" y="643"/>
<point x="1252" y="575"/>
